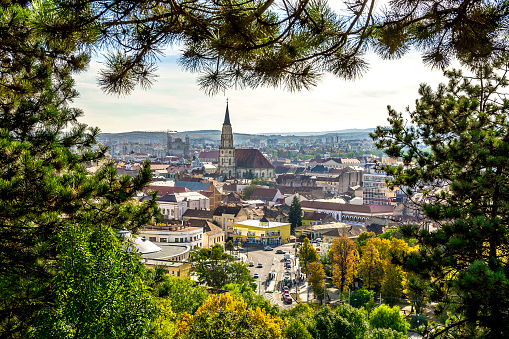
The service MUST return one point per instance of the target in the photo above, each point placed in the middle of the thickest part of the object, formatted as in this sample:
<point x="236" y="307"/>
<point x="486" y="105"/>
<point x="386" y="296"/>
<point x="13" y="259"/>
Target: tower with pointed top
<point x="227" y="164"/>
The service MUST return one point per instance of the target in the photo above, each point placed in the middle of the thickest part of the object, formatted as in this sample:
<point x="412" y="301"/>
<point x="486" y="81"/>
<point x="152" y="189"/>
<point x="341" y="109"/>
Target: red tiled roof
<point x="163" y="190"/>
<point x="266" y="194"/>
<point x="251" y="158"/>
<point x="209" y="155"/>
<point x="315" y="216"/>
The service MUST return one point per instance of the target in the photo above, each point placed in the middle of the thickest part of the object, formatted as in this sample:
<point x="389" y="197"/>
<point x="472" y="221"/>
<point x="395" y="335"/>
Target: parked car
<point x="251" y="263"/>
<point x="280" y="252"/>
<point x="268" y="248"/>
<point x="256" y="275"/>
<point x="260" y="265"/>
<point x="286" y="289"/>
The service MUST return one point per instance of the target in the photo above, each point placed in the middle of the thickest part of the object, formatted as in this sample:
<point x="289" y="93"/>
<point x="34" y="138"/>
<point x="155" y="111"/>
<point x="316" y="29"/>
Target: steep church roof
<point x="251" y="158"/>
<point x="227" y="116"/>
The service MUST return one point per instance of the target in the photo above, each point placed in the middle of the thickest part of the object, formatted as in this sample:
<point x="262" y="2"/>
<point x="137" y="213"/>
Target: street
<point x="271" y="262"/>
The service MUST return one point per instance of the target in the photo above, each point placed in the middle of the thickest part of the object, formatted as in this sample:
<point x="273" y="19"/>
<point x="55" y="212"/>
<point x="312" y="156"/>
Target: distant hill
<point x="210" y="136"/>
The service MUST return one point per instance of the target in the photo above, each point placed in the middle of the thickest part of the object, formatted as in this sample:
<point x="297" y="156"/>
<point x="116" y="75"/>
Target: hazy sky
<point x="175" y="102"/>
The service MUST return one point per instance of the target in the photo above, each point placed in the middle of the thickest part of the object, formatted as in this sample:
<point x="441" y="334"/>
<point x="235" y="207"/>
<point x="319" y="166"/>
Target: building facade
<point x="375" y="190"/>
<point x="261" y="232"/>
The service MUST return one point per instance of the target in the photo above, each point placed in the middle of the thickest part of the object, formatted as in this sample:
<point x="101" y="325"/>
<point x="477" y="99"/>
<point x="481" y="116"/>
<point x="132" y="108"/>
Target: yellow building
<point x="261" y="232"/>
<point x="174" y="268"/>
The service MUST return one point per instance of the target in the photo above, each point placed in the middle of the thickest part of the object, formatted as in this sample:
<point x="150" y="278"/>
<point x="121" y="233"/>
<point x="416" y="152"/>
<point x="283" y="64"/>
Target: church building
<point x="240" y="163"/>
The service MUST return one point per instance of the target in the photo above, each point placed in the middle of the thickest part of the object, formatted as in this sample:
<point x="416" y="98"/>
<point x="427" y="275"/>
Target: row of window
<point x="179" y="240"/>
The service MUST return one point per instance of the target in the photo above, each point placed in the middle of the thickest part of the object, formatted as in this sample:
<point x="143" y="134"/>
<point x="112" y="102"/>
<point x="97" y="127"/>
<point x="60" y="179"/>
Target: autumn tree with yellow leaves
<point x="344" y="260"/>
<point x="316" y="278"/>
<point x="222" y="316"/>
<point x="371" y="266"/>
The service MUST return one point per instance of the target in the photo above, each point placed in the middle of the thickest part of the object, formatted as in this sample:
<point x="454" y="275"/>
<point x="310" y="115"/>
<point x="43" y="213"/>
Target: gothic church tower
<point x="227" y="163"/>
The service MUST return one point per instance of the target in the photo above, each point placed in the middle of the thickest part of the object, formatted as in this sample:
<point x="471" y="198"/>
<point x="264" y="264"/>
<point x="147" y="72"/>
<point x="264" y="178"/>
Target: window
<point x="163" y="239"/>
<point x="154" y="239"/>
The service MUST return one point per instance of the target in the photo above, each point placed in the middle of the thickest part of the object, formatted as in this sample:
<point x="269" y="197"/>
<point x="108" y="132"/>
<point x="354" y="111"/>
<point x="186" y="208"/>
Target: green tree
<point x="307" y="255"/>
<point x="260" y="181"/>
<point x="295" y="214"/>
<point x="317" y="279"/>
<point x="182" y="293"/>
<point x="386" y="317"/>
<point x="99" y="289"/>
<point x="51" y="208"/>
<point x="393" y="283"/>
<point x="254" y="300"/>
<point x="386" y="333"/>
<point x="248" y="191"/>
<point x="465" y="126"/>
<point x="343" y="322"/>
<point x="229" y="246"/>
<point x="215" y="268"/>
<point x="165" y="324"/>
<point x="296" y="329"/>
<point x="361" y="297"/>
<point x="362" y="240"/>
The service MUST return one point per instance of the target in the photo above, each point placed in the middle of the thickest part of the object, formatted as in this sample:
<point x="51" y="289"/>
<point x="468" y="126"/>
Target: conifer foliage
<point x="58" y="223"/>
<point x="463" y="177"/>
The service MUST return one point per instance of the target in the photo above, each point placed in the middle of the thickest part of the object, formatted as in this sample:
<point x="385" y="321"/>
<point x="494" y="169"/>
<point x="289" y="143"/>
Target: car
<point x="280" y="252"/>
<point x="251" y="263"/>
<point x="260" y="265"/>
<point x="287" y="299"/>
<point x="268" y="248"/>
<point x="286" y="289"/>
<point x="256" y="275"/>
<point x="286" y="277"/>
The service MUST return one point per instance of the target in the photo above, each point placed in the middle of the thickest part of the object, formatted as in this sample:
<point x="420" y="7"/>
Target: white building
<point x="173" y="206"/>
<point x="174" y="234"/>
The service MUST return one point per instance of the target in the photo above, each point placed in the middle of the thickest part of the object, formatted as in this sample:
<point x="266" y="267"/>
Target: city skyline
<point x="175" y="101"/>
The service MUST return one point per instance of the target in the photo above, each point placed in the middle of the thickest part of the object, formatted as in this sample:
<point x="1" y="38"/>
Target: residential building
<point x="316" y="218"/>
<point x="375" y="191"/>
<point x="226" y="215"/>
<point x="173" y="234"/>
<point x="348" y="213"/>
<point x="268" y="195"/>
<point x="212" y="234"/>
<point x="332" y="230"/>
<point x="261" y="232"/>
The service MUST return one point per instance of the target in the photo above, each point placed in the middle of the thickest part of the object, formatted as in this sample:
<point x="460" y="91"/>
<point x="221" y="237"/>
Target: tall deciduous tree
<point x="225" y="317"/>
<point x="345" y="262"/>
<point x="307" y="255"/>
<point x="371" y="266"/>
<point x="295" y="214"/>
<point x="317" y="279"/>
<point x="343" y="322"/>
<point x="464" y="180"/>
<point x="386" y="317"/>
<point x="215" y="268"/>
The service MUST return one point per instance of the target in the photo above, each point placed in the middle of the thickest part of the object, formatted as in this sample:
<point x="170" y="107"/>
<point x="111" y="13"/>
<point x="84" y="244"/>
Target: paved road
<point x="271" y="262"/>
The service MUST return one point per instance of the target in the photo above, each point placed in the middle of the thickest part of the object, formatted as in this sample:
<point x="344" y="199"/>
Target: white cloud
<point x="175" y="101"/>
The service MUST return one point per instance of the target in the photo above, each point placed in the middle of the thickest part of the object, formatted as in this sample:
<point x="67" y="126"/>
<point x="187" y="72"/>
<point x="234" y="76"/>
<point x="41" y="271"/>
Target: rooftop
<point x="256" y="223"/>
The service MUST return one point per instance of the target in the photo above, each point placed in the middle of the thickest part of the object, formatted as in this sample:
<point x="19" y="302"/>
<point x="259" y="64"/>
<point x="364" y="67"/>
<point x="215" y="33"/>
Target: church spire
<point x="227" y="115"/>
